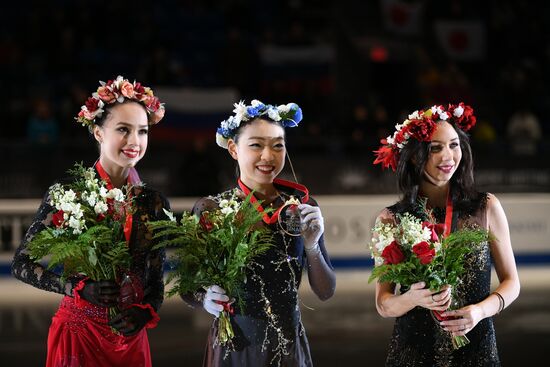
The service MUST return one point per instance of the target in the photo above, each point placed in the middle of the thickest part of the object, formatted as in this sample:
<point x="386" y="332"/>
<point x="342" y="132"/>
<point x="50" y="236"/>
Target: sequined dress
<point x="418" y="340"/>
<point x="79" y="334"/>
<point x="269" y="331"/>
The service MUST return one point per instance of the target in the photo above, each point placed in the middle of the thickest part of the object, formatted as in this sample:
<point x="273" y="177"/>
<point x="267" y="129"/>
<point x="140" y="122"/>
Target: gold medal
<point x="289" y="217"/>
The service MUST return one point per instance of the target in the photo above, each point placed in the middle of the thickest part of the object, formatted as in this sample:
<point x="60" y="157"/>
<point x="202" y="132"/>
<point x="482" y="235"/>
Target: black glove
<point x="131" y="320"/>
<point x="104" y="293"/>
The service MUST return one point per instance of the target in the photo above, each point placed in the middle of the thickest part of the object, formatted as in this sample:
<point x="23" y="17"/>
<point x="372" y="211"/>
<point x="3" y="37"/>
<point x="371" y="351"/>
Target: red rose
<point x="205" y="223"/>
<point x="92" y="104"/>
<point x="424" y="252"/>
<point x="100" y="217"/>
<point x="421" y="129"/>
<point x="57" y="219"/>
<point x="392" y="254"/>
<point x="467" y="120"/>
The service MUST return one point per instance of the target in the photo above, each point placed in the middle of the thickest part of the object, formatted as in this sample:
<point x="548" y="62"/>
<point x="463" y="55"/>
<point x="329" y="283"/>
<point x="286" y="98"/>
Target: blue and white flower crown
<point x="288" y="115"/>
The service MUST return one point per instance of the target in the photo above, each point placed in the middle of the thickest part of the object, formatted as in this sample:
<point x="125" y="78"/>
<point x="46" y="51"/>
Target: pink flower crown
<point x="421" y="125"/>
<point x="116" y="91"/>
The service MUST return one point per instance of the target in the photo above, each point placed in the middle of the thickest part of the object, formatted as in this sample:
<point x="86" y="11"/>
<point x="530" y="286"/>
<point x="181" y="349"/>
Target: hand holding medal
<point x="312" y="225"/>
<point x="296" y="219"/>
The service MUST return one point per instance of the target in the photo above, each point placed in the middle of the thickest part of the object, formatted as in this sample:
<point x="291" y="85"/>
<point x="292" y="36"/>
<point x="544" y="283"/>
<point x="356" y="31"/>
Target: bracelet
<point x="315" y="249"/>
<point x="501" y="303"/>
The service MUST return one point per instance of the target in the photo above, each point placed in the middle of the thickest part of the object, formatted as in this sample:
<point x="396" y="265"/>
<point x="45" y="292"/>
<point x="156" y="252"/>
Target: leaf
<point x="92" y="257"/>
<point x="215" y="254"/>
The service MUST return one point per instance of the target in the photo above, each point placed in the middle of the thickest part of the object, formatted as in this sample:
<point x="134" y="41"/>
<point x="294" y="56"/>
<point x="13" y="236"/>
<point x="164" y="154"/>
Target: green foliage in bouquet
<point x="87" y="234"/>
<point x="97" y="253"/>
<point x="446" y="267"/>
<point x="214" y="248"/>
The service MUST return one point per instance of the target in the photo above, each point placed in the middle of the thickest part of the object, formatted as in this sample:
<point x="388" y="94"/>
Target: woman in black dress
<point x="269" y="331"/>
<point x="433" y="159"/>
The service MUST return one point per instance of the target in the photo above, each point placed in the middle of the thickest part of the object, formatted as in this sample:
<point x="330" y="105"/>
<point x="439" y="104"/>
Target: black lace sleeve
<point x="31" y="272"/>
<point x="154" y="290"/>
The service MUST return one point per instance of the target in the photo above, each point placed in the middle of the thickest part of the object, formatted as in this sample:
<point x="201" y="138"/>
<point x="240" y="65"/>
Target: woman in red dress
<point x="118" y="116"/>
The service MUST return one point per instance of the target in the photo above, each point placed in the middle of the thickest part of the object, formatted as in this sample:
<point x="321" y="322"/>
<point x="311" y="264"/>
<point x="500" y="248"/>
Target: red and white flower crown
<point x="115" y="91"/>
<point x="421" y="125"/>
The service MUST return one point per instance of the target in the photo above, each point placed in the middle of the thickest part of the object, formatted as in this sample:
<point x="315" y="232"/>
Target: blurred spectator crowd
<point x="355" y="67"/>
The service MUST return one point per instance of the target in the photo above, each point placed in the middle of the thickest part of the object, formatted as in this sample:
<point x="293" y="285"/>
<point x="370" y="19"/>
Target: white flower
<point x="169" y="214"/>
<point x="227" y="210"/>
<point x="412" y="231"/>
<point x="284" y="108"/>
<point x="69" y="196"/>
<point x="273" y="114"/>
<point x="77" y="211"/>
<point x="437" y="247"/>
<point x="91" y="198"/>
<point x="240" y="111"/>
<point x="115" y="194"/>
<point x="444" y="116"/>
<point x="66" y="207"/>
<point x="75" y="224"/>
<point x="231" y="123"/>
<point x="103" y="192"/>
<point x="458" y="111"/>
<point x="100" y="207"/>
<point x="221" y="141"/>
<point x="436" y="110"/>
<point x="227" y="206"/>
<point x="118" y="81"/>
<point x="256" y="103"/>
<point x="414" y="116"/>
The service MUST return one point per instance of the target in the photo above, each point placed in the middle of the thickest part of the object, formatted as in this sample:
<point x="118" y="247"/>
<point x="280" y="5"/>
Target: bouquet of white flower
<point x="87" y="233"/>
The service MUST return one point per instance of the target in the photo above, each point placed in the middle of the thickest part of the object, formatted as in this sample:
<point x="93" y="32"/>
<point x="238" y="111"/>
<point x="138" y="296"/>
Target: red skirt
<point x="80" y="337"/>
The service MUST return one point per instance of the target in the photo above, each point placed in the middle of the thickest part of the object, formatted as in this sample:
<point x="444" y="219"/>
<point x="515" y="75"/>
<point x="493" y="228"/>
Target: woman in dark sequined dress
<point x="433" y="159"/>
<point x="119" y="116"/>
<point x="269" y="331"/>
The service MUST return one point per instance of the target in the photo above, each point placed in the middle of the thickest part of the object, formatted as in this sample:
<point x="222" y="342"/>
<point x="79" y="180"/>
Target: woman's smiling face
<point x="444" y="155"/>
<point x="260" y="152"/>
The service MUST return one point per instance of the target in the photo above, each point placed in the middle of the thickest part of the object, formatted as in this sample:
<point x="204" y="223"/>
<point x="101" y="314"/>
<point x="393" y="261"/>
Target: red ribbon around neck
<point x="448" y="215"/>
<point x="275" y="216"/>
<point x="133" y="179"/>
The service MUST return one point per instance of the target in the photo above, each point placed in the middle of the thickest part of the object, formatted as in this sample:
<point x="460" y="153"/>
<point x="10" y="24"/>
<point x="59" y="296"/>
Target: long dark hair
<point x="410" y="171"/>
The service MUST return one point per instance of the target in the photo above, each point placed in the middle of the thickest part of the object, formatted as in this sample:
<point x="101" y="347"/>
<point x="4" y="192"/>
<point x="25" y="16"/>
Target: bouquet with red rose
<point x="214" y="248"/>
<point x="87" y="233"/>
<point x="410" y="250"/>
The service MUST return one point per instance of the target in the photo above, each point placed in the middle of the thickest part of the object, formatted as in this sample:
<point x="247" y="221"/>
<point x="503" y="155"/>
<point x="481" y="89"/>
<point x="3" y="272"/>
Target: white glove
<point x="313" y="224"/>
<point x="214" y="293"/>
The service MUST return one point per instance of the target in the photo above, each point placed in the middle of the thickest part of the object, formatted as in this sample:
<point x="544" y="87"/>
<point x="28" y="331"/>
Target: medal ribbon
<point x="273" y="219"/>
<point x="448" y="215"/>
